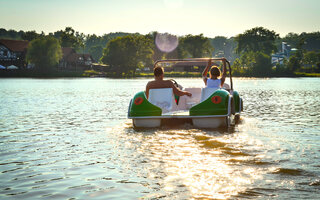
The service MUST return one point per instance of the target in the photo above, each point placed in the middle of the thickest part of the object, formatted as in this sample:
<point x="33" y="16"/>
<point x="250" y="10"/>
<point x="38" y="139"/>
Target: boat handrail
<point x="200" y="59"/>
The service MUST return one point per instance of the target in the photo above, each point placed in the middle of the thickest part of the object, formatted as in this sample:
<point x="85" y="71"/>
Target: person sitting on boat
<point x="158" y="82"/>
<point x="215" y="80"/>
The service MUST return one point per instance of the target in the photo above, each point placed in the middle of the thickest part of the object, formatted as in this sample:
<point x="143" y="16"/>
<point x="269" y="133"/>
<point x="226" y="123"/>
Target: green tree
<point x="126" y="53"/>
<point x="292" y="39"/>
<point x="311" y="58"/>
<point x="70" y="38"/>
<point x="257" y="39"/>
<point x="262" y="65"/>
<point x="44" y="53"/>
<point x="195" y="46"/>
<point x="254" y="64"/>
<point x="237" y="68"/>
<point x="294" y="63"/>
<point x="91" y="41"/>
<point x="157" y="54"/>
<point x="311" y="41"/>
<point x="96" y="52"/>
<point x="10" y="34"/>
<point x="219" y="44"/>
<point x="31" y="35"/>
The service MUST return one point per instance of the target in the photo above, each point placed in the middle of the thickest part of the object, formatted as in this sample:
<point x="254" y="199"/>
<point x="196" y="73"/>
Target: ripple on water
<point x="291" y="172"/>
<point x="68" y="139"/>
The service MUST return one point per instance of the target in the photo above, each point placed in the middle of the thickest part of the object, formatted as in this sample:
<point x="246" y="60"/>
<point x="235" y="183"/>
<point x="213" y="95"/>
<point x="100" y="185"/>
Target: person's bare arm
<point x="147" y="90"/>
<point x="205" y="72"/>
<point x="224" y="73"/>
<point x="179" y="92"/>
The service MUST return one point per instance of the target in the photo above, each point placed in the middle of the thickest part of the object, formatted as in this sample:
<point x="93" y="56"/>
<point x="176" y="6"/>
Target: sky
<point x="180" y="17"/>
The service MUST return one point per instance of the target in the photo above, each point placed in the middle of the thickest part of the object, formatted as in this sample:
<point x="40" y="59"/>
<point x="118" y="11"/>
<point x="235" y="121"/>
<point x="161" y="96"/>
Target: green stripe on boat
<point x="144" y="108"/>
<point x="208" y="107"/>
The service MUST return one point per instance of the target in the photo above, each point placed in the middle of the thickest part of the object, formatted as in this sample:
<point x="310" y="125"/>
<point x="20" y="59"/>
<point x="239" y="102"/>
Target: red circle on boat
<point x="138" y="101"/>
<point x="216" y="99"/>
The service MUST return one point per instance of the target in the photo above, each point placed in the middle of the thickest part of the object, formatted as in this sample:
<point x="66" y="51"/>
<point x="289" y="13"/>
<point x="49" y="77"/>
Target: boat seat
<point x="226" y="86"/>
<point x="206" y="93"/>
<point x="163" y="98"/>
<point x="186" y="102"/>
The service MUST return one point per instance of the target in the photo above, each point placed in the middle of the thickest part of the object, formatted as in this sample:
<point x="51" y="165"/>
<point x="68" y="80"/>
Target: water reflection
<point x="70" y="139"/>
<point x="196" y="163"/>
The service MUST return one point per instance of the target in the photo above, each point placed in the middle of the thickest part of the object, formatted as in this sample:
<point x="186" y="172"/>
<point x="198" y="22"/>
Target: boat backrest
<point x="206" y="93"/>
<point x="226" y="86"/>
<point x="186" y="102"/>
<point x="163" y="98"/>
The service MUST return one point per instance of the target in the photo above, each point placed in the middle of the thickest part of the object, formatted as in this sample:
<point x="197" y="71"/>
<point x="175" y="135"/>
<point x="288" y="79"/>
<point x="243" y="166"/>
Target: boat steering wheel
<point x="174" y="83"/>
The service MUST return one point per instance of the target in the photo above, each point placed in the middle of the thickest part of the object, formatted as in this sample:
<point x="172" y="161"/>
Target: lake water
<point x="71" y="139"/>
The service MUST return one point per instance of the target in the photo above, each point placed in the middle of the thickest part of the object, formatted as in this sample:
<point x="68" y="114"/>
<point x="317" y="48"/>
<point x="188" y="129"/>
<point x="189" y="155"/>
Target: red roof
<point x="15" y="45"/>
<point x="66" y="51"/>
<point x="75" y="57"/>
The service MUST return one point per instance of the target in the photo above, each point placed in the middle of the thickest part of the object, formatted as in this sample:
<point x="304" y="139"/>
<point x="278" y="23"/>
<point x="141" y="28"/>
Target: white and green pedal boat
<point x="207" y="108"/>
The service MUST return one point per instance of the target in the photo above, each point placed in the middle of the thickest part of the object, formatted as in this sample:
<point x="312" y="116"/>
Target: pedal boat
<point x="207" y="108"/>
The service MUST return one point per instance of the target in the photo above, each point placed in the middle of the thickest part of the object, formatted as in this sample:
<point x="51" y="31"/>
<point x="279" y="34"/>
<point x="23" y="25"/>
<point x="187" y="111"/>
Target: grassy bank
<point x="92" y="73"/>
<point x="39" y="74"/>
<point x="303" y="74"/>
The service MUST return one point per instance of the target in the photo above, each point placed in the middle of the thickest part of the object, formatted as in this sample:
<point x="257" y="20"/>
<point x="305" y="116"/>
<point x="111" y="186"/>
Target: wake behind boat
<point x="206" y="108"/>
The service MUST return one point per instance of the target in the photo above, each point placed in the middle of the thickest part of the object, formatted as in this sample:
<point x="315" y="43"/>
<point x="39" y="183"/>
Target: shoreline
<point x="95" y="74"/>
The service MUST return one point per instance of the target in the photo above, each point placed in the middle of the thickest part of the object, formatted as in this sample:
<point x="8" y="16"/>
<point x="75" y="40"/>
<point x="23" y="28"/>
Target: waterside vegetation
<point x="132" y="54"/>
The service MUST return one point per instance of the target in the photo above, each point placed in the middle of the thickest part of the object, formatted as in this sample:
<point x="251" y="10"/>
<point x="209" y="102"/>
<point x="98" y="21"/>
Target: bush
<point x="44" y="53"/>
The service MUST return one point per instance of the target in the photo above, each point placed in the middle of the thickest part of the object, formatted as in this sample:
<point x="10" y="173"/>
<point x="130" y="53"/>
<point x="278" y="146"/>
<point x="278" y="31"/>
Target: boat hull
<point x="146" y="123"/>
<point x="198" y="122"/>
<point x="218" y="110"/>
<point x="210" y="122"/>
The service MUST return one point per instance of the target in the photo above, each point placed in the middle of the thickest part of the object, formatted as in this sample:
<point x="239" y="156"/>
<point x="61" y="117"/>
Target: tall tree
<point x="257" y="39"/>
<point x="44" y="53"/>
<point x="96" y="52"/>
<point x="157" y="53"/>
<point x="126" y="53"/>
<point x="219" y="43"/>
<point x="195" y="46"/>
<point x="311" y="58"/>
<point x="70" y="38"/>
<point x="31" y="35"/>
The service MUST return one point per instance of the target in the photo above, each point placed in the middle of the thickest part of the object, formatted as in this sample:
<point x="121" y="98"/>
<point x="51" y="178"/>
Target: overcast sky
<point x="180" y="17"/>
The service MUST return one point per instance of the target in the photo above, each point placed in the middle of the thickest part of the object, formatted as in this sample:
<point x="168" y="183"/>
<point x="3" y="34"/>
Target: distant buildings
<point x="189" y="66"/>
<point x="13" y="53"/>
<point x="286" y="52"/>
<point x="75" y="61"/>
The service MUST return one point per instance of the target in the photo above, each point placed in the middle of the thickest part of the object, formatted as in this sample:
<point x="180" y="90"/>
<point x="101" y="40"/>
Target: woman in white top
<point x="215" y="80"/>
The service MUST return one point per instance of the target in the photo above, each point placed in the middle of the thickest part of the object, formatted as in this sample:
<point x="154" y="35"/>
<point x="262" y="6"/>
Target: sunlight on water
<point x="71" y="139"/>
<point x="196" y="163"/>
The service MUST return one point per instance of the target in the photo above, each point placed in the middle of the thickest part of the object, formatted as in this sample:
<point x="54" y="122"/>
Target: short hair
<point x="158" y="71"/>
<point x="215" y="71"/>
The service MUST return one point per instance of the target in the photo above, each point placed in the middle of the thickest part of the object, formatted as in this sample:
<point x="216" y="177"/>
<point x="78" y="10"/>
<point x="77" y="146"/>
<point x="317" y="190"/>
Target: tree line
<point x="255" y="47"/>
<point x="250" y="52"/>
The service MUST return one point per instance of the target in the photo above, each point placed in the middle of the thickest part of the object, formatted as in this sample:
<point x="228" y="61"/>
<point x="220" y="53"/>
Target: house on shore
<point x="13" y="52"/>
<point x="75" y="61"/>
<point x="286" y="52"/>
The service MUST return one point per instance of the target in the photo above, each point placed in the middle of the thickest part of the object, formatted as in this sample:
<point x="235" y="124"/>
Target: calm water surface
<point x="70" y="139"/>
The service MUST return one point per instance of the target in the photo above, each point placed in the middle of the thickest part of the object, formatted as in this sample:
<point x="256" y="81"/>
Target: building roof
<point x="15" y="45"/>
<point x="66" y="51"/>
<point x="75" y="57"/>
